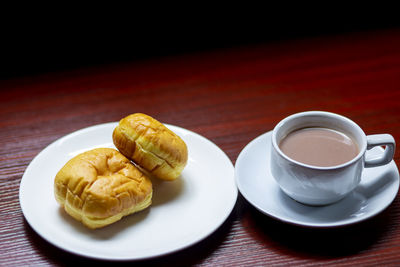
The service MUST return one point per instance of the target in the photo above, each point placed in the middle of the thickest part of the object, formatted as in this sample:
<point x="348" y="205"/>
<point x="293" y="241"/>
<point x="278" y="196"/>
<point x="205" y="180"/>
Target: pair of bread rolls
<point x="100" y="186"/>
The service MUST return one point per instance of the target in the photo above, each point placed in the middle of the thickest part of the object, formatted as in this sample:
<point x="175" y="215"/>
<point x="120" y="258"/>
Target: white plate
<point x="183" y="212"/>
<point x="376" y="191"/>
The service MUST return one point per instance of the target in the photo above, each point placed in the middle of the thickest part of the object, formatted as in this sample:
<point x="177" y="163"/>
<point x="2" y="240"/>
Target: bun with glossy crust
<point x="151" y="145"/>
<point x="100" y="186"/>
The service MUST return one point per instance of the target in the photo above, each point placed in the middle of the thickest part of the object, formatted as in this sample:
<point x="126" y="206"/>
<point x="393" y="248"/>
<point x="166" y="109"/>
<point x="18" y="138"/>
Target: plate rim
<point x="221" y="221"/>
<point x="248" y="198"/>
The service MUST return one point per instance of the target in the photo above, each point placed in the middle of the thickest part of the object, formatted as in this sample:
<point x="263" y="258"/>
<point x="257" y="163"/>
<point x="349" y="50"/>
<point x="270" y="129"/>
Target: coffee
<point x="321" y="147"/>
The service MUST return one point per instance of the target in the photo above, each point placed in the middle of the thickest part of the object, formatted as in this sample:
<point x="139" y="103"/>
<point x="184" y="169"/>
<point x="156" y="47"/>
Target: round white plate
<point x="183" y="212"/>
<point x="377" y="190"/>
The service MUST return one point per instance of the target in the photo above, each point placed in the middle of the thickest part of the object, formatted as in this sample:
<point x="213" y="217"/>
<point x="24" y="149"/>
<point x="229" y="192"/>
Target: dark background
<point x="40" y="45"/>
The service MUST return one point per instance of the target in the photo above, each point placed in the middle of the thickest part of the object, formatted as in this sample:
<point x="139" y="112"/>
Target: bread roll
<point x="100" y="186"/>
<point x="151" y="145"/>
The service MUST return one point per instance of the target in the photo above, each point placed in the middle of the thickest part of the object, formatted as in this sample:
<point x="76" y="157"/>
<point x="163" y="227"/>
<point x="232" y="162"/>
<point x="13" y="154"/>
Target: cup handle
<point x="383" y="158"/>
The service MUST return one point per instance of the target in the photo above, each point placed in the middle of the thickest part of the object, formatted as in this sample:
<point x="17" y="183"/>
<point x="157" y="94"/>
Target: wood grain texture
<point x="230" y="96"/>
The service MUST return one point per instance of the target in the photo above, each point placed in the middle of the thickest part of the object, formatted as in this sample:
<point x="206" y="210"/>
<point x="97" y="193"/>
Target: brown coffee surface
<point x="321" y="147"/>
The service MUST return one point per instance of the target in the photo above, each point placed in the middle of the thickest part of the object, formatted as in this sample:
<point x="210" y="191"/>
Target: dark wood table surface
<point x="230" y="96"/>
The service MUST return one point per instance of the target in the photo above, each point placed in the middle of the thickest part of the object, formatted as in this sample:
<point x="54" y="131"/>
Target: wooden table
<point x="229" y="96"/>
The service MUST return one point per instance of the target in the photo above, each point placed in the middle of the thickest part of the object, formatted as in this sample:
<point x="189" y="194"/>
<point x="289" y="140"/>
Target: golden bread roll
<point x="100" y="186"/>
<point x="151" y="145"/>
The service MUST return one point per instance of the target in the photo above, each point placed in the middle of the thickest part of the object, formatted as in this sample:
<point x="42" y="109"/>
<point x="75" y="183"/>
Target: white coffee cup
<point x="315" y="185"/>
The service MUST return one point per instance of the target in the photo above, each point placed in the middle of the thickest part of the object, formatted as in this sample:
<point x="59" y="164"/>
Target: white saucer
<point x="377" y="190"/>
<point x="183" y="212"/>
